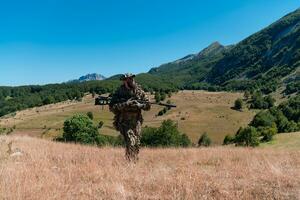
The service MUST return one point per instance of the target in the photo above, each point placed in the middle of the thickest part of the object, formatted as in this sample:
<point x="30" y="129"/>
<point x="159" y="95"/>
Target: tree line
<point x="13" y="99"/>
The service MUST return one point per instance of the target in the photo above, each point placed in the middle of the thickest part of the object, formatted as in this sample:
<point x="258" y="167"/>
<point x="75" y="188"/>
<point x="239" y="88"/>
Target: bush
<point x="80" y="128"/>
<point x="247" y="95"/>
<point x="270" y="101"/>
<point x="238" y="104"/>
<point x="162" y="112"/>
<point x="165" y="136"/>
<point x="100" y="125"/>
<point x="262" y="119"/>
<point x="204" y="140"/>
<point x="260" y="102"/>
<point x="267" y="133"/>
<point x="90" y="115"/>
<point x="163" y="96"/>
<point x="247" y="137"/>
<point x="229" y="139"/>
<point x="157" y="97"/>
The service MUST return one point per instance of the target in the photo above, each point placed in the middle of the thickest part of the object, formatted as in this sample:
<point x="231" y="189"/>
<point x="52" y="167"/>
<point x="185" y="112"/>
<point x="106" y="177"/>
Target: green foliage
<point x="286" y="116"/>
<point x="80" y="128"/>
<point x="247" y="94"/>
<point x="292" y="87"/>
<point x="100" y="124"/>
<point x="90" y="115"/>
<point x="291" y="108"/>
<point x="163" y="111"/>
<point x="260" y="102"/>
<point x="228" y="139"/>
<point x="262" y="119"/>
<point x="247" y="137"/>
<point x="157" y="97"/>
<point x="267" y="133"/>
<point x="163" y="96"/>
<point x="204" y="140"/>
<point x="238" y="104"/>
<point x="160" y="96"/>
<point x="167" y="135"/>
<point x="48" y="100"/>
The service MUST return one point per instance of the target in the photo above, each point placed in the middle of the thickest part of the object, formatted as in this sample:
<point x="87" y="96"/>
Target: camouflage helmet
<point x="127" y="75"/>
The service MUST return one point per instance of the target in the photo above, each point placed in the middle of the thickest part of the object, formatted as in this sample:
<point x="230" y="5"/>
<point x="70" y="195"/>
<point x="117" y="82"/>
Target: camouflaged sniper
<point x="128" y="113"/>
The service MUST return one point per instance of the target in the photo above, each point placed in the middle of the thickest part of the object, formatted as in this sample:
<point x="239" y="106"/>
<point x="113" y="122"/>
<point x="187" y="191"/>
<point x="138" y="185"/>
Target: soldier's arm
<point x="146" y="101"/>
<point x="118" y="102"/>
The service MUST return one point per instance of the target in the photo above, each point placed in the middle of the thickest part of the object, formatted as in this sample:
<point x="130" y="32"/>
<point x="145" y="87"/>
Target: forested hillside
<point x="191" y="69"/>
<point x="260" y="61"/>
<point x="263" y="59"/>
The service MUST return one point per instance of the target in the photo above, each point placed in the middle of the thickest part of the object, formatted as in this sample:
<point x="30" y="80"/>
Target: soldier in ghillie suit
<point x="127" y="104"/>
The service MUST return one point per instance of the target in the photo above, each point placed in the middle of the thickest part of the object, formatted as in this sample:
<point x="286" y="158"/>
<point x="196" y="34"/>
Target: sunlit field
<point x="197" y="112"/>
<point x="49" y="170"/>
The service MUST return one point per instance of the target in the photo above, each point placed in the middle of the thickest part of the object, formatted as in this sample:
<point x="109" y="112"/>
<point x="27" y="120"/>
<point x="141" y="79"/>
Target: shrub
<point x="267" y="133"/>
<point x="157" y="97"/>
<point x="263" y="118"/>
<point x="260" y="102"/>
<point x="247" y="95"/>
<point x="238" y="104"/>
<point x="100" y="124"/>
<point x="162" y="112"/>
<point x="228" y="139"/>
<point x="90" y="115"/>
<point x="163" y="96"/>
<point x="165" y="136"/>
<point x="247" y="137"/>
<point x="80" y="128"/>
<point x="270" y="101"/>
<point x="204" y="140"/>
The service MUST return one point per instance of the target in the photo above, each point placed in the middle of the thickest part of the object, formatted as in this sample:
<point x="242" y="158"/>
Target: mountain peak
<point x="211" y="50"/>
<point x="89" y="77"/>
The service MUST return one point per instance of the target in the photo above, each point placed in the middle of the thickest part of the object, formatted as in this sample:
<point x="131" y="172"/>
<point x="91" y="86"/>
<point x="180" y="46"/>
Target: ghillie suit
<point x="127" y="105"/>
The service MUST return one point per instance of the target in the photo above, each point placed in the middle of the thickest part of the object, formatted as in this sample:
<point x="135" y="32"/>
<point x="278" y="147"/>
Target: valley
<point x="196" y="112"/>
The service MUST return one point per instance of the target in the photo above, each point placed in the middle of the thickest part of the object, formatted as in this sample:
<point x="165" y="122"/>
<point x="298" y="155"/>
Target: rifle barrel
<point x="164" y="104"/>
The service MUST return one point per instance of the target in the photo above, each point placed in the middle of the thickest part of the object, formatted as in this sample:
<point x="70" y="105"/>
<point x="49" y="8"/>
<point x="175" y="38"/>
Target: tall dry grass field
<point x="49" y="170"/>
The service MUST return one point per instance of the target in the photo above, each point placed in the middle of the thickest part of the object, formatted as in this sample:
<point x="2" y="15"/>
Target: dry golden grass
<point x="49" y="170"/>
<point x="197" y="112"/>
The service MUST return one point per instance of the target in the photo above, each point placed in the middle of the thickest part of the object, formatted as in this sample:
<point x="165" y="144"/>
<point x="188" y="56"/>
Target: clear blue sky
<point x="56" y="40"/>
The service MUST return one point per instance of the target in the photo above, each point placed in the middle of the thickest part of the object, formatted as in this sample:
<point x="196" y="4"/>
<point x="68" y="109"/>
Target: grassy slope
<point x="285" y="141"/>
<point x="202" y="112"/>
<point x="49" y="170"/>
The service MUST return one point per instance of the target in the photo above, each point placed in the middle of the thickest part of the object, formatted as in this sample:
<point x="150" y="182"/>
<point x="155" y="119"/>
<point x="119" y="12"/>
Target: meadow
<point x="51" y="170"/>
<point x="197" y="112"/>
